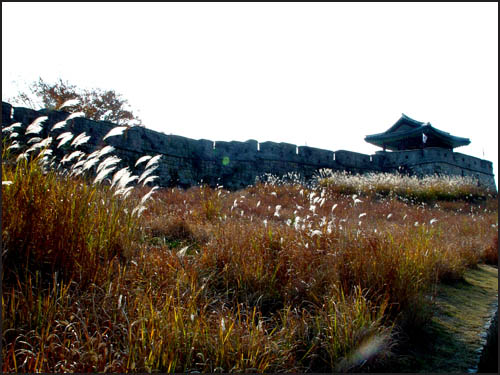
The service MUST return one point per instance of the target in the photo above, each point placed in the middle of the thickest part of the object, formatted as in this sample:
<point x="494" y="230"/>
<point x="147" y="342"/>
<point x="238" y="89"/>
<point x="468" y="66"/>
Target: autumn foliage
<point x="96" y="104"/>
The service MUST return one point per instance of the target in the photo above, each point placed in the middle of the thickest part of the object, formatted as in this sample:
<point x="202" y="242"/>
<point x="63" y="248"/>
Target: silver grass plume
<point x="71" y="156"/>
<point x="34" y="127"/>
<point x="75" y="115"/>
<point x="69" y="103"/>
<point x="148" y="195"/>
<point x="80" y="139"/>
<point x="154" y="160"/>
<point x="110" y="160"/>
<point x="14" y="145"/>
<point x="59" y="125"/>
<point x="148" y="180"/>
<point x="105" y="150"/>
<point x="103" y="173"/>
<point x="34" y="140"/>
<point x="146" y="173"/>
<point x="119" y="174"/>
<point x="42" y="144"/>
<point x="65" y="138"/>
<point x="10" y="128"/>
<point x="115" y="131"/>
<point x="142" y="159"/>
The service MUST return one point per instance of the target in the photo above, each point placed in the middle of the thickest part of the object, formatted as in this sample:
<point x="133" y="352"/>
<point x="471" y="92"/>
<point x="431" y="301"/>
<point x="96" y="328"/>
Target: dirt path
<point x="452" y="342"/>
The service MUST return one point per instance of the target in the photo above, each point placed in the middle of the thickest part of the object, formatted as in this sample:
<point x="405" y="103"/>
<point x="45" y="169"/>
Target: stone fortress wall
<point x="186" y="162"/>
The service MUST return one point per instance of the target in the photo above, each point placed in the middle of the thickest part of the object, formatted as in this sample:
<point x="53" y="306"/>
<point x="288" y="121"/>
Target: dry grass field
<point x="104" y="273"/>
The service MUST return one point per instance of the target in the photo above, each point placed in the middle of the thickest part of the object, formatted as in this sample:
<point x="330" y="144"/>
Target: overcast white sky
<point x="321" y="74"/>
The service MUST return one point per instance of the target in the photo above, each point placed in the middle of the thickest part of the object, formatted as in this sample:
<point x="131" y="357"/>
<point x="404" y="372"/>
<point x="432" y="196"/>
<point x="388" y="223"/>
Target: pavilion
<point x="409" y="134"/>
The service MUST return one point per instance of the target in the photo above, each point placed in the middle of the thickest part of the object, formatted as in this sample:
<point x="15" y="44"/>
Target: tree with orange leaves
<point x="96" y="104"/>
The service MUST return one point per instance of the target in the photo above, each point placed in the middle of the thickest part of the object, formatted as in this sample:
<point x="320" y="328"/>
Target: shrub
<point x="421" y="189"/>
<point x="490" y="255"/>
<point x="54" y="224"/>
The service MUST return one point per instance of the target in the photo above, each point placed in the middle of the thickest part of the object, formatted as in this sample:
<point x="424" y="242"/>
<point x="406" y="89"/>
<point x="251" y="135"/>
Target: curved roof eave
<point x="380" y="138"/>
<point x="459" y="141"/>
<point x="393" y="136"/>
<point x="407" y="120"/>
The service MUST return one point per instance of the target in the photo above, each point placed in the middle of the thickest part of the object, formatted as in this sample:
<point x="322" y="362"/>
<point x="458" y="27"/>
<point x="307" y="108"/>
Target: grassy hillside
<point x="102" y="275"/>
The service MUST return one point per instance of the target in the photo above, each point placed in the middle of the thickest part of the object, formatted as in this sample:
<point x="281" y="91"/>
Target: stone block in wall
<point x="377" y="162"/>
<point x="253" y="144"/>
<point x="353" y="160"/>
<point x="186" y="177"/>
<point x="176" y="145"/>
<point x="144" y="140"/>
<point x="316" y="156"/>
<point x="235" y="151"/>
<point x="205" y="149"/>
<point x="6" y="114"/>
<point x="244" y="150"/>
<point x="278" y="151"/>
<point x="25" y="115"/>
<point x="268" y="149"/>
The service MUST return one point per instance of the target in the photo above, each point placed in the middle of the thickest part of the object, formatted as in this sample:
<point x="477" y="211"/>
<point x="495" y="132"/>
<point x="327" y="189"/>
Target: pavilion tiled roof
<point x="407" y="133"/>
